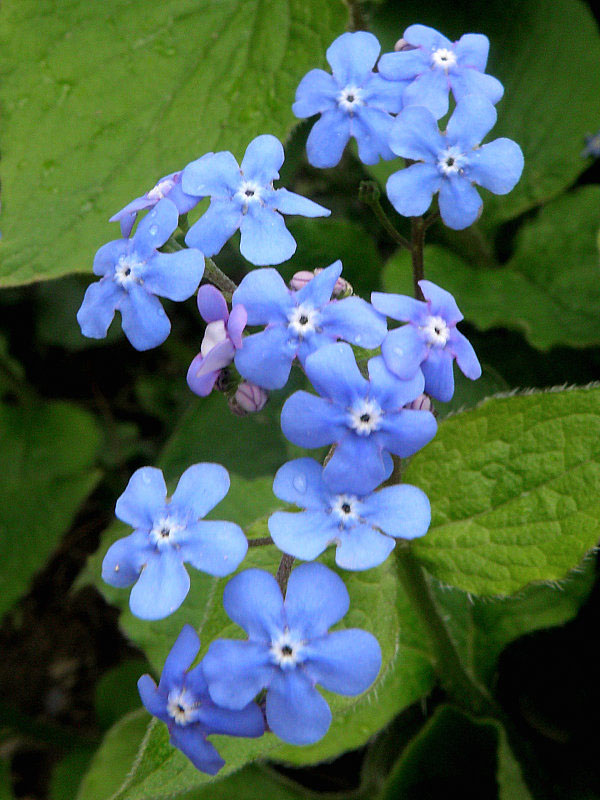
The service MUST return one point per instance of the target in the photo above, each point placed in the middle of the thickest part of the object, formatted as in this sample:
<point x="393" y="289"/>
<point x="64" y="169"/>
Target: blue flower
<point x="430" y="341"/>
<point x="432" y="66"/>
<point x="244" y="198"/>
<point x="451" y="163"/>
<point x="592" y="146"/>
<point x="133" y="273"/>
<point x="354" y="101"/>
<point x="289" y="650"/>
<point x="365" y="418"/>
<point x="169" y="533"/>
<point x="298" y="323"/>
<point x="223" y="336"/>
<point x="182" y="702"/>
<point x="361" y="527"/>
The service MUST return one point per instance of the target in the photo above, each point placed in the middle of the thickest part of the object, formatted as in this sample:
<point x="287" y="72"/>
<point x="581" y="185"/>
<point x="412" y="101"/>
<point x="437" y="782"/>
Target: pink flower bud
<point x="341" y="289"/>
<point x="422" y="403"/>
<point x="402" y="45"/>
<point x="300" y="279"/>
<point x="248" y="399"/>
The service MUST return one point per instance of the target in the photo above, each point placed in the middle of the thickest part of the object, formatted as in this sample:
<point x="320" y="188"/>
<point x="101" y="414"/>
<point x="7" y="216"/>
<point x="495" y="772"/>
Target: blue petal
<point x="415" y="134"/>
<point x="180" y="659"/>
<point x="354" y="320"/>
<point x="144" y="320"/>
<point x="356" y="466"/>
<point x="410" y="190"/>
<point x="466" y="358"/>
<point x="161" y="588"/>
<point x="218" y="223"/>
<point x="236" y="671"/>
<point x="441" y="302"/>
<point x="265" y="297"/>
<point x="312" y="342"/>
<point x="310" y="421"/>
<point x="211" y="304"/>
<point x="390" y="392"/>
<point x="497" y="166"/>
<point x="174" y="275"/>
<point x="128" y="215"/>
<point x="216" y="176"/>
<point x="316" y="599"/>
<point x="328" y="138"/>
<point x="303" y="535"/>
<point x="439" y="375"/>
<point x="153" y="701"/>
<point x="200" y="488"/>
<point x="431" y="90"/>
<point x="333" y="372"/>
<point x="192" y="742"/>
<point x="98" y="308"/>
<point x="263" y="159"/>
<point x="265" y="239"/>
<point x="108" y="255"/>
<point x="398" y="306"/>
<point x="352" y="56"/>
<point x="471" y="82"/>
<point x="184" y="202"/>
<point x="301" y="482"/>
<point x="248" y="721"/>
<point x="266" y="358"/>
<point x="316" y="92"/>
<point x="362" y="547"/>
<point x="426" y="37"/>
<point x="403" y="350"/>
<point x="292" y="203"/>
<point x="125" y="558"/>
<point x="472" y="50"/>
<point x="382" y="94"/>
<point x="143" y="498"/>
<point x="345" y="662"/>
<point x="200" y="381"/>
<point x="472" y="118"/>
<point x="215" y="547"/>
<point x="406" y="431"/>
<point x="318" y="291"/>
<point x="372" y="128"/>
<point x="459" y="201"/>
<point x="156" y="227"/>
<point x="296" y="712"/>
<point x="253" y="600"/>
<point x="403" y="66"/>
<point x="401" y="511"/>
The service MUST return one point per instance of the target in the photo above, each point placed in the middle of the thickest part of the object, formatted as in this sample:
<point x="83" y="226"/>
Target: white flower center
<point x="127" y="270"/>
<point x="249" y="192"/>
<point x="182" y="706"/>
<point x="436" y="331"/>
<point x="350" y="98"/>
<point x="161" y="190"/>
<point x="346" y="509"/>
<point x="452" y="161"/>
<point x="214" y="334"/>
<point x="303" y="319"/>
<point x="286" y="650"/>
<point x="162" y="533"/>
<point x="365" y="417"/>
<point x="443" y="58"/>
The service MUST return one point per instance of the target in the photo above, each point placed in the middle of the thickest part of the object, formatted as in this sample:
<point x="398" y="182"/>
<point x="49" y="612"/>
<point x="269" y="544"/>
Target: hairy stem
<point x="260" y="541"/>
<point x="218" y="277"/>
<point x="418" y="228"/>
<point x="283" y="572"/>
<point x="368" y="193"/>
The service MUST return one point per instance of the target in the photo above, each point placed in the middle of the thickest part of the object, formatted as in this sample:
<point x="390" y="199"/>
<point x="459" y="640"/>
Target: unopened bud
<point x="300" y="279"/>
<point x="422" y="403"/>
<point x="341" y="289"/>
<point x="402" y="45"/>
<point x="248" y="399"/>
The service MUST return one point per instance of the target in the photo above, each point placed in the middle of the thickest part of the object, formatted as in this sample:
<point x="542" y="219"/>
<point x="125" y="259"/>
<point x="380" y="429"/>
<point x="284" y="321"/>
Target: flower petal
<point x="362" y="547"/>
<point x="161" y="588"/>
<point x="459" y="201"/>
<point x="192" y="742"/>
<point x="426" y="37"/>
<point x="144" y="320"/>
<point x="401" y="511"/>
<point x="471" y="120"/>
<point x="472" y="50"/>
<point x="415" y="134"/>
<point x="497" y="166"/>
<point x="411" y="190"/>
<point x="253" y="600"/>
<point x="398" y="306"/>
<point x="215" y="547"/>
<point x="316" y="92"/>
<point x="403" y="66"/>
<point x="248" y="721"/>
<point x="153" y="701"/>
<point x="296" y="712"/>
<point x="466" y="358"/>
<point x="265" y="358"/>
<point x="439" y="375"/>
<point x="441" y="302"/>
<point x="328" y="138"/>
<point x="200" y="488"/>
<point x="108" y="255"/>
<point x="174" y="275"/>
<point x="404" y="432"/>
<point x="265" y="239"/>
<point x="216" y="175"/>
<point x="372" y="128"/>
<point x="352" y="56"/>
<point x="356" y="466"/>
<point x="263" y="159"/>
<point x="211" y="304"/>
<point x="201" y="381"/>
<point x="265" y="297"/>
<point x="180" y="659"/>
<point x="310" y="421"/>
<point x="125" y="558"/>
<point x="431" y="90"/>
<point x="303" y="535"/>
<point x="385" y="95"/>
<point x="143" y="498"/>
<point x="156" y="227"/>
<point x="403" y="350"/>
<point x="333" y="372"/>
<point x="345" y="662"/>
<point x="97" y="311"/>
<point x="391" y="392"/>
<point x="238" y="319"/>
<point x="236" y="671"/>
<point x="316" y="598"/>
<point x="471" y="82"/>
<point x="291" y="203"/>
<point x="355" y="321"/>
<point x="301" y="482"/>
<point x="318" y="291"/>
<point x="218" y="223"/>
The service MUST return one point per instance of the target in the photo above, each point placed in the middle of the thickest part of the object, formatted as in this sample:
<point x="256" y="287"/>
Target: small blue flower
<point x="298" y="323"/>
<point x="244" y="198"/>
<point x="365" y="418"/>
<point x="592" y="146"/>
<point x="431" y="66"/>
<point x="134" y="272"/>
<point x="289" y="650"/>
<point x="430" y="341"/>
<point x="169" y="533"/>
<point x="451" y="163"/>
<point x="361" y="527"/>
<point x="354" y="101"/>
<point x="182" y="702"/>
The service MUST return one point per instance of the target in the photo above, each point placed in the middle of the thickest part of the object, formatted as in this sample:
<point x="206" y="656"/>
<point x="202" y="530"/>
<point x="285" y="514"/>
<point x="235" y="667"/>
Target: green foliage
<point x="514" y="487"/>
<point x="107" y="100"/>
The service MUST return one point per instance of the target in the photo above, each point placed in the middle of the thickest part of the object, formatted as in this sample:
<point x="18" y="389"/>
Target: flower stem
<point x="368" y="193"/>
<point x="218" y="277"/>
<point x="283" y="572"/>
<point x="260" y="541"/>
<point x="418" y="228"/>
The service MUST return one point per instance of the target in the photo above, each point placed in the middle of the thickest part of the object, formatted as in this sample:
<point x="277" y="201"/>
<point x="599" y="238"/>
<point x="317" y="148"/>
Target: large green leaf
<point x="101" y="99"/>
<point x="550" y="288"/>
<point x="47" y="462"/>
<point x="514" y="487"/>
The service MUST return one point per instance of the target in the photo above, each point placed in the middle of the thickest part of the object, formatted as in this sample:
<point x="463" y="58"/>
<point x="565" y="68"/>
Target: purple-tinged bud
<point x="341" y="289"/>
<point x="422" y="403"/>
<point x="300" y="279"/>
<point x="248" y="399"/>
<point x="402" y="45"/>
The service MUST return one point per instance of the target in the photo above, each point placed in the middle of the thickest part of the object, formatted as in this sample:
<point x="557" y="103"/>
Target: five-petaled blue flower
<point x="364" y="528"/>
<point x="433" y="66"/>
<point x="182" y="702"/>
<point x="133" y="272"/>
<point x="365" y="418"/>
<point x="430" y="341"/>
<point x="169" y="533"/>
<point x="289" y="650"/>
<point x="452" y="162"/>
<point x="354" y="101"/>
<point x="298" y="323"/>
<point x="244" y="197"/>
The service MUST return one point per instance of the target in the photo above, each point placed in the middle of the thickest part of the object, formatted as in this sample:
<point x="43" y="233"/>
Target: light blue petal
<point x="439" y="375"/>
<point x="316" y="599"/>
<point x="415" y="134"/>
<point x="431" y="90"/>
<point x="317" y="292"/>
<point x="296" y="712"/>
<point x="108" y="255"/>
<point x="466" y="358"/>
<point x="426" y="37"/>
<point x="174" y="275"/>
<point x="401" y="511"/>
<point x="403" y="66"/>
<point x="200" y="381"/>
<point x="356" y="466"/>
<point x="248" y="721"/>
<point x="180" y="658"/>
<point x="403" y="351"/>
<point x="328" y="138"/>
<point x="291" y="203"/>
<point x="472" y="118"/>
<point x="471" y="82"/>
<point x="236" y="671"/>
<point x="312" y="342"/>
<point x="161" y="588"/>
<point x="345" y="662"/>
<point x="301" y="482"/>
<point x="156" y="227"/>
<point x="352" y="56"/>
<point x="372" y="128"/>
<point x="97" y="311"/>
<point x="199" y="490"/>
<point x="398" y="306"/>
<point x="217" y="176"/>
<point x="266" y="358"/>
<point x="143" y="498"/>
<point x="472" y="50"/>
<point x="144" y="320"/>
<point x="355" y="321"/>
<point x="265" y="239"/>
<point x="410" y="190"/>
<point x="211" y="304"/>
<point x="303" y="535"/>
<point x="404" y="432"/>
<point x="265" y="297"/>
<point x="263" y="159"/>
<point x="385" y="95"/>
<point x="390" y="391"/>
<point x="363" y="547"/>
<point x="460" y="203"/>
<point x="253" y="600"/>
<point x="125" y="558"/>
<point x="333" y="372"/>
<point x="310" y="421"/>
<point x="316" y="92"/>
<point x="497" y="166"/>
<point x="215" y="547"/>
<point x="153" y="701"/>
<point x="192" y="742"/>
<point x="218" y="223"/>
<point x="441" y="302"/>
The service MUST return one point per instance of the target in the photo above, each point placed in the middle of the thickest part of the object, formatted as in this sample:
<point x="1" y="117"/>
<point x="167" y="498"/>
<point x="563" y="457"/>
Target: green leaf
<point x="107" y="100"/>
<point x="68" y="773"/>
<point x="256" y="782"/>
<point x="514" y="487"/>
<point x="511" y="785"/>
<point x="47" y="457"/>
